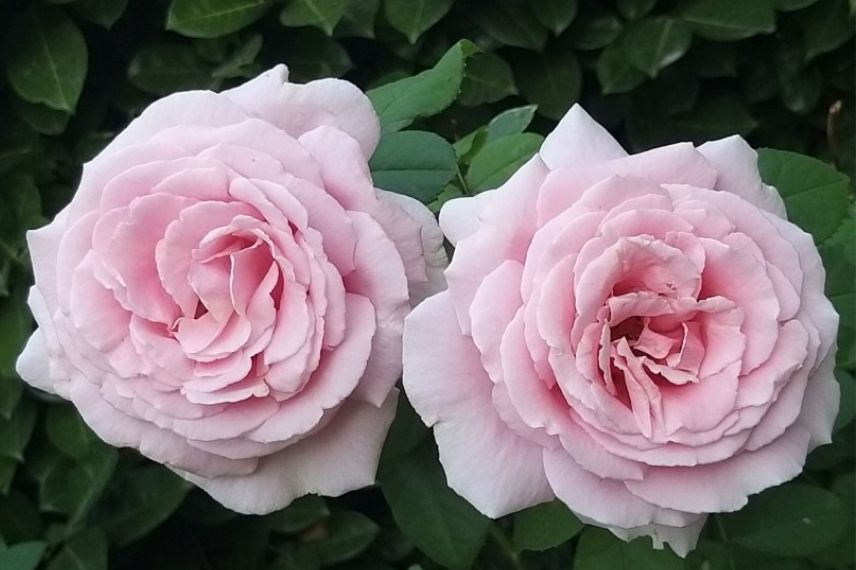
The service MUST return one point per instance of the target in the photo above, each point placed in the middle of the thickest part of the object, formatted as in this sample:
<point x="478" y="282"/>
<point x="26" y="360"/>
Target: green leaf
<point x="826" y="26"/>
<point x="359" y="19"/>
<point x="213" y="18"/>
<point x="790" y="520"/>
<point x="654" y="43"/>
<point x="552" y="81"/>
<point x="161" y="69"/>
<point x="46" y="58"/>
<point x="714" y="119"/>
<point x="42" y="118"/>
<point x="488" y="79"/>
<point x="839" y="260"/>
<point x="511" y="25"/>
<point x="816" y="195"/>
<point x="598" y="549"/>
<point x="635" y="9"/>
<point x="105" y="13"/>
<point x="499" y="159"/>
<point x="312" y="54"/>
<point x="73" y="487"/>
<point x="414" y="17"/>
<point x="67" y="431"/>
<point x="847" y="409"/>
<point x="346" y="534"/>
<point x="596" y="31"/>
<point x="86" y="551"/>
<point x="22" y="556"/>
<point x="440" y="523"/>
<point x="401" y="102"/>
<point x="241" y="62"/>
<point x="729" y="20"/>
<point x="791" y="5"/>
<point x="414" y="163"/>
<point x="511" y="121"/>
<point x="300" y="515"/>
<point x="615" y="72"/>
<point x="405" y="435"/>
<point x="555" y="15"/>
<point x="148" y="497"/>
<point x="19" y="518"/>
<point x="16" y="431"/>
<point x="322" y="14"/>
<point x="545" y="526"/>
<point x="8" y="467"/>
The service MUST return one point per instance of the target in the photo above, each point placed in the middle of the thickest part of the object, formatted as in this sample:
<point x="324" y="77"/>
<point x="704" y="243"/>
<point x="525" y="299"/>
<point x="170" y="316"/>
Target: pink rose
<point x="226" y="291"/>
<point x="644" y="337"/>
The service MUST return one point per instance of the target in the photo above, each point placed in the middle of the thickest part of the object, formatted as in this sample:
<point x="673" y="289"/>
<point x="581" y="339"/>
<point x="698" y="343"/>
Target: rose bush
<point x="644" y="337"/>
<point x="226" y="291"/>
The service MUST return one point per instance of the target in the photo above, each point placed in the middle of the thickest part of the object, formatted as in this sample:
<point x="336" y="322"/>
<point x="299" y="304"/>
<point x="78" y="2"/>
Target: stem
<point x="465" y="188"/>
<point x="499" y="537"/>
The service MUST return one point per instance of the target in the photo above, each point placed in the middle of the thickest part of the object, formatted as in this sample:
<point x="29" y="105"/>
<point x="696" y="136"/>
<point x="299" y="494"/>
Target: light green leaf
<point x="46" y="58"/>
<point x="654" y="43"/>
<point x="414" y="17"/>
<point x="161" y="69"/>
<point x="401" y="102"/>
<point x="322" y="14"/>
<point x="790" y="520"/>
<point x="555" y="15"/>
<point x="729" y="20"/>
<point x="67" y="432"/>
<point x="614" y="71"/>
<point x="299" y="515"/>
<point x="22" y="556"/>
<point x="512" y="25"/>
<point x="598" y="549"/>
<point x="488" y="79"/>
<point x="414" y="163"/>
<point x="545" y="526"/>
<point x="511" y="122"/>
<point x="552" y="81"/>
<point x="213" y="18"/>
<point x="826" y="26"/>
<point x="105" y="13"/>
<point x="498" y="159"/>
<point x="346" y="534"/>
<point x="86" y="551"/>
<point x="816" y="195"/>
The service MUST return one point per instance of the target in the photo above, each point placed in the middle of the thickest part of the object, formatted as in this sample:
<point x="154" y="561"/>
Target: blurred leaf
<point x="598" y="549"/>
<point x="16" y="431"/>
<point x="790" y="5"/>
<point x="105" y="13"/>
<point x="552" y="81"/>
<point x="86" y="551"/>
<point x="511" y="121"/>
<point x="728" y="20"/>
<point x="545" y="526"/>
<point x="345" y="535"/>
<point x="359" y="19"/>
<point x="815" y="194"/>
<point x="19" y="518"/>
<point x="826" y="26"/>
<point x="148" y="496"/>
<point x="714" y="119"/>
<point x="322" y="14"/>
<point x="499" y="159"/>
<point x="512" y="25"/>
<point x="311" y="54"/>
<point x="22" y="556"/>
<point x="241" y="62"/>
<point x="839" y="260"/>
<point x="300" y="514"/>
<point x="8" y="467"/>
<point x="555" y="15"/>
<point x="11" y="389"/>
<point x="73" y="487"/>
<point x="635" y="9"/>
<point x="161" y="69"/>
<point x="399" y="103"/>
<point x="713" y="59"/>
<point x="615" y="72"/>
<point x="488" y="79"/>
<point x="654" y="43"/>
<point x="414" y="163"/>
<point x="847" y="409"/>
<point x="46" y="58"/>
<point x="790" y="520"/>
<point x="213" y="18"/>
<point x="42" y="118"/>
<point x="67" y="431"/>
<point x="801" y="91"/>
<point x="413" y="17"/>
<point x="440" y="523"/>
<point x="596" y="31"/>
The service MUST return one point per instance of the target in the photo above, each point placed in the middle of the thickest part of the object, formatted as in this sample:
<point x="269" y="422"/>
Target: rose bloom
<point x="644" y="337"/>
<point x="226" y="291"/>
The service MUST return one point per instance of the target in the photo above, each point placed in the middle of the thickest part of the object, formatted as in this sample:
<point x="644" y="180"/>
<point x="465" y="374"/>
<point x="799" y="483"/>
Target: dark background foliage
<point x="779" y="72"/>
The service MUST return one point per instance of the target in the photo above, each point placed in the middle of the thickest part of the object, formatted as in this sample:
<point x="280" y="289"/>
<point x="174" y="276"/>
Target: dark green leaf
<point x="322" y="14"/>
<point x="511" y="122"/>
<point x="241" y="62"/>
<point x="300" y="514"/>
<point x="73" y="487"/>
<point x="511" y="25"/>
<point x="67" y="432"/>
<point x="399" y="103"/>
<point x="46" y="58"/>
<point x="413" y="17"/>
<point x="10" y="394"/>
<point x="8" y="467"/>
<point x="213" y="18"/>
<point x="498" y="159"/>
<point x="414" y="163"/>
<point x="42" y="118"/>
<point x="86" y="551"/>
<point x="164" y="68"/>
<point x="825" y="26"/>
<point x="847" y="409"/>
<point x="654" y="43"/>
<point x="728" y="20"/>
<point x="595" y="31"/>
<point x="615" y="72"/>
<point x="552" y="81"/>
<point x="714" y="119"/>
<point x="488" y="79"/>
<point x="359" y="19"/>
<point x="789" y="520"/>
<point x="839" y="259"/>
<point x="634" y="9"/>
<point x="105" y="13"/>
<point x="19" y="518"/>
<point x="345" y="535"/>
<point x="815" y="194"/>
<point x="790" y="5"/>
<point x="440" y="523"/>
<point x="16" y="431"/>
<point x="312" y="54"/>
<point x="544" y="526"/>
<point x="22" y="556"/>
<point x="555" y="15"/>
<point x="598" y="549"/>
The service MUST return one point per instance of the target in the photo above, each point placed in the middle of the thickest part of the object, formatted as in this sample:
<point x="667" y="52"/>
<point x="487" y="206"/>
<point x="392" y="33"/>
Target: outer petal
<point x="297" y="109"/>
<point x="342" y="457"/>
<point x="33" y="364"/>
<point x="460" y="218"/>
<point x="681" y="539"/>
<point x="579" y="139"/>
<point x="485" y="462"/>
